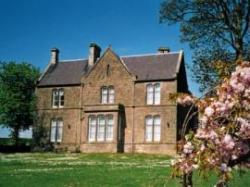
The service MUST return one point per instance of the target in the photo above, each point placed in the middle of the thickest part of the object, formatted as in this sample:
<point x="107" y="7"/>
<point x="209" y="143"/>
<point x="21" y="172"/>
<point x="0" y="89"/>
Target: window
<point x="153" y="94"/>
<point x="56" y="130"/>
<point x="108" y="95"/>
<point x="58" y="98"/>
<point x="100" y="128"/>
<point x="153" y="128"/>
<point x="109" y="129"/>
<point x="92" y="128"/>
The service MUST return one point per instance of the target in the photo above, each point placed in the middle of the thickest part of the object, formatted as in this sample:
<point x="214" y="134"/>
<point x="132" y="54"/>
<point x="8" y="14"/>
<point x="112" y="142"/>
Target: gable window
<point x="153" y="94"/>
<point x="58" y="98"/>
<point x="100" y="128"/>
<point x="152" y="128"/>
<point x="56" y="130"/>
<point x="107" y="95"/>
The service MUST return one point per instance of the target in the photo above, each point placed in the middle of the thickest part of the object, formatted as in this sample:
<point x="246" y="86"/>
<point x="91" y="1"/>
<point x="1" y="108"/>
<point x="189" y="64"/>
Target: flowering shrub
<point x="222" y="140"/>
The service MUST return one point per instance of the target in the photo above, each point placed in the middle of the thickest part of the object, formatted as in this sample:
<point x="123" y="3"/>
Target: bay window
<point x="100" y="128"/>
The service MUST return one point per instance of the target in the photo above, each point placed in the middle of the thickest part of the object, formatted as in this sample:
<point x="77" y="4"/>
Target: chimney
<point x="54" y="56"/>
<point x="163" y="50"/>
<point x="94" y="53"/>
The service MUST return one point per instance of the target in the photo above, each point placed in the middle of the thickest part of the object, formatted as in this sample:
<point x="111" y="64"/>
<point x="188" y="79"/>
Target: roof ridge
<point x="73" y="60"/>
<point x="150" y="54"/>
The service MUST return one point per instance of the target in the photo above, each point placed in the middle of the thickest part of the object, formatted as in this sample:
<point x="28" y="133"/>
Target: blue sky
<point x="30" y="28"/>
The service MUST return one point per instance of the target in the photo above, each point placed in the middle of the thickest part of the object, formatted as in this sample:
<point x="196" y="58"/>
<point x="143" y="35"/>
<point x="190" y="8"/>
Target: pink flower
<point x="206" y="134"/>
<point x="244" y="127"/>
<point x="224" y="168"/>
<point x="209" y="111"/>
<point x="188" y="148"/>
<point x="228" y="142"/>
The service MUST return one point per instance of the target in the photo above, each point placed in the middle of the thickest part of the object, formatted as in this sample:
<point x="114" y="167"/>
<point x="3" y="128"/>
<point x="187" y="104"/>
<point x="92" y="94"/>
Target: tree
<point x="222" y="141"/>
<point x="217" y="30"/>
<point x="17" y="96"/>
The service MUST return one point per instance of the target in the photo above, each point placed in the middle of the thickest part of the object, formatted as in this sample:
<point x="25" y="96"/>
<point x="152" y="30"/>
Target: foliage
<point x="17" y="96"/>
<point x="215" y="30"/>
<point x="222" y="141"/>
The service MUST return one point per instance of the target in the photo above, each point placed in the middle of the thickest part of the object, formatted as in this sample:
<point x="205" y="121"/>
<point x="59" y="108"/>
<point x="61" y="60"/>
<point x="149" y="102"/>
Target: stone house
<point x="108" y="103"/>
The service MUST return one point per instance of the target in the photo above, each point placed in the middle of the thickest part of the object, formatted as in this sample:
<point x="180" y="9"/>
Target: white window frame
<point x="56" y="130"/>
<point x="152" y="128"/>
<point x="107" y="95"/>
<point x="92" y="122"/>
<point x="103" y="128"/>
<point x="153" y="93"/>
<point x="58" y="98"/>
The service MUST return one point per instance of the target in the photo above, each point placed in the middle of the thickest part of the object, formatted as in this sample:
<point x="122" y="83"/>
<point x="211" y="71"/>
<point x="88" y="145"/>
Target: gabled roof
<point x="64" y="73"/>
<point x="146" y="67"/>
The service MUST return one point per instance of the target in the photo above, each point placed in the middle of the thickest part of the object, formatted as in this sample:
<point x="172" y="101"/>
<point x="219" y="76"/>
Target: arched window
<point x="107" y="95"/>
<point x="157" y="128"/>
<point x="61" y="97"/>
<point x="153" y="94"/>
<point x="111" y="94"/>
<point x="150" y="94"/>
<point x="157" y="93"/>
<point x="109" y="127"/>
<point x="152" y="128"/>
<point x="55" y="98"/>
<point x="100" y="128"/>
<point x="56" y="130"/>
<point x="149" y="128"/>
<point x="104" y="91"/>
<point x="58" y="98"/>
<point x="92" y="128"/>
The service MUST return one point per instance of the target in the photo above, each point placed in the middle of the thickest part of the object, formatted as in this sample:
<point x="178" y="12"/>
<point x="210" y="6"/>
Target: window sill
<point x="101" y="142"/>
<point x="57" y="107"/>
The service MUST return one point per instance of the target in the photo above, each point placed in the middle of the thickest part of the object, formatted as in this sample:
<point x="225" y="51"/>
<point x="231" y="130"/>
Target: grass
<point x="93" y="170"/>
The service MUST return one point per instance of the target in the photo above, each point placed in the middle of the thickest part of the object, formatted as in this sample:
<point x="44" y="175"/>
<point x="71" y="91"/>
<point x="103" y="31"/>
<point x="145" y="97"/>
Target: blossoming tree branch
<point x="222" y="141"/>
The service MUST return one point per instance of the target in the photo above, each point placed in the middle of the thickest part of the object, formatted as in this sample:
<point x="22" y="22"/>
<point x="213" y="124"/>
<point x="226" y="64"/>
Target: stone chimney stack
<point x="54" y="56"/>
<point x="163" y="50"/>
<point x="94" y="53"/>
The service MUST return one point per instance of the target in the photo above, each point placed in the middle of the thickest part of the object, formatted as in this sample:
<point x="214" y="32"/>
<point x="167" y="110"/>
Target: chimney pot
<point x="163" y="50"/>
<point x="54" y="56"/>
<point x="94" y="53"/>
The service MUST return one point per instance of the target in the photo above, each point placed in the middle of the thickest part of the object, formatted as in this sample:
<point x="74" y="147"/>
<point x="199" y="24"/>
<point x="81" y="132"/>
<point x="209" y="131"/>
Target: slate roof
<point x="145" y="67"/>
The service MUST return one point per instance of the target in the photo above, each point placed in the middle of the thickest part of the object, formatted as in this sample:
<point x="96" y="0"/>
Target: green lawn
<point x="90" y="170"/>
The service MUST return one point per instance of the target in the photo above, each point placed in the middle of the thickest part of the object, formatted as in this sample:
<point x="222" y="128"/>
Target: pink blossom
<point x="224" y="168"/>
<point x="188" y="148"/>
<point x="209" y="111"/>
<point x="206" y="134"/>
<point x="244" y="127"/>
<point x="228" y="142"/>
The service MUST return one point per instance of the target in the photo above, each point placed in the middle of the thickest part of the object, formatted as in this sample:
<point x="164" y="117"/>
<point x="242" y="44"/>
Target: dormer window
<point x="107" y="95"/>
<point x="58" y="98"/>
<point x="153" y="94"/>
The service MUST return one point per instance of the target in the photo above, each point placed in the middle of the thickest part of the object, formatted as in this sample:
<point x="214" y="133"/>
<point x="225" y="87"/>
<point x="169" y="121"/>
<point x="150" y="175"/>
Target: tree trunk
<point x="239" y="49"/>
<point x="187" y="180"/>
<point x="15" y="136"/>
